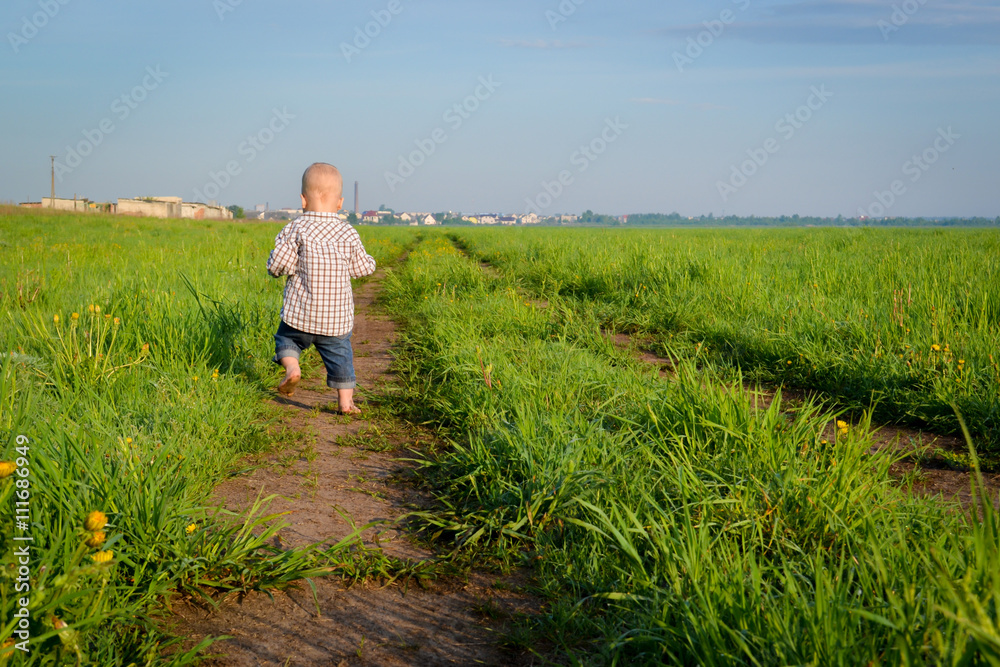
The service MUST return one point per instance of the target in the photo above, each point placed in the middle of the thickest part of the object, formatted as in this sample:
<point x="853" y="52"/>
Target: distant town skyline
<point x="744" y="107"/>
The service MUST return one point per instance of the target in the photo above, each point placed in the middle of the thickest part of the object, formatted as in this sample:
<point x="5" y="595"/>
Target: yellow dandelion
<point x="191" y="528"/>
<point x="936" y="347"/>
<point x="102" y="557"/>
<point x="55" y="318"/>
<point x="128" y="441"/>
<point x="75" y="316"/>
<point x="195" y="378"/>
<point x="789" y="363"/>
<point x="97" y="309"/>
<point x="145" y="348"/>
<point x="824" y="442"/>
<point x="961" y="361"/>
<point x="90" y="308"/>
<point x="97" y="539"/>
<point x="841" y="425"/>
<point x="117" y="321"/>
<point x="7" y="469"/>
<point x="96" y="520"/>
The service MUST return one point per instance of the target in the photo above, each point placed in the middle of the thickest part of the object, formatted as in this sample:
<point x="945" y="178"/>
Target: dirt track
<point x="351" y="464"/>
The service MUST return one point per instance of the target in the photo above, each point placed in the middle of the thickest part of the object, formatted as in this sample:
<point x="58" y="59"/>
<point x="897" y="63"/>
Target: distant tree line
<point x="675" y="219"/>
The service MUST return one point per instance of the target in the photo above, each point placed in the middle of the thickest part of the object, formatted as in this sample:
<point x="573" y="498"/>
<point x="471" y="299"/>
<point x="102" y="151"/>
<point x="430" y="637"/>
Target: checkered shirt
<point x="320" y="253"/>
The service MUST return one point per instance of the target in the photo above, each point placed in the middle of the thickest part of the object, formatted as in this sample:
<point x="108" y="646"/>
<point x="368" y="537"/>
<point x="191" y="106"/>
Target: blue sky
<point x="825" y="107"/>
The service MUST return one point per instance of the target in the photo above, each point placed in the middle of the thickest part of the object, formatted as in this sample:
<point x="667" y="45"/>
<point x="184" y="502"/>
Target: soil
<point x="920" y="466"/>
<point x="353" y="464"/>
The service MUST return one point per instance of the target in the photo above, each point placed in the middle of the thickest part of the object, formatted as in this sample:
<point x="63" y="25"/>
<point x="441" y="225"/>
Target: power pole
<point x="52" y="198"/>
<point x="355" y="197"/>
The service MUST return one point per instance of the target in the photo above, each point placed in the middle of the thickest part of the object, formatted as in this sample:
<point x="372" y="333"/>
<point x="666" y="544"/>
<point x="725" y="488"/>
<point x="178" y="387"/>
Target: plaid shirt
<point x="320" y="253"/>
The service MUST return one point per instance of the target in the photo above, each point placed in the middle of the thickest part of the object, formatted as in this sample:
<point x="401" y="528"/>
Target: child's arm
<point x="284" y="259"/>
<point x="362" y="264"/>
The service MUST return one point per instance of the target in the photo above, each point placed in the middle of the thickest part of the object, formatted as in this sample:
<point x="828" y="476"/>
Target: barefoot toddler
<point x="320" y="253"/>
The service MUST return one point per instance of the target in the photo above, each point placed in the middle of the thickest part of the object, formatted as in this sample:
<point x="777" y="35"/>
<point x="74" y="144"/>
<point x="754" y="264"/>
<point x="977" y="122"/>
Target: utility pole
<point x="52" y="198"/>
<point x="355" y="198"/>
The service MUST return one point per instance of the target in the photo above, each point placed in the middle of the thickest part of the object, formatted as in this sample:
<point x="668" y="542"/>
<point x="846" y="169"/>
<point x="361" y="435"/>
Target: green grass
<point x="671" y="521"/>
<point x="904" y="322"/>
<point x="137" y="406"/>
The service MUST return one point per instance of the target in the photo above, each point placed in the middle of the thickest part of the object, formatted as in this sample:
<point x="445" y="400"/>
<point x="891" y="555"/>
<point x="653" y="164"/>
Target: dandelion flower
<point x="195" y="378"/>
<point x="75" y="316"/>
<point x="7" y="469"/>
<point x="55" y="318"/>
<point x="102" y="557"/>
<point x="96" y="520"/>
<point x="128" y="441"/>
<point x="145" y="348"/>
<point x="117" y="321"/>
<point x="97" y="309"/>
<point x="841" y="425"/>
<point x="97" y="539"/>
<point x="936" y="347"/>
<point x="961" y="361"/>
<point x="191" y="528"/>
<point x="90" y="308"/>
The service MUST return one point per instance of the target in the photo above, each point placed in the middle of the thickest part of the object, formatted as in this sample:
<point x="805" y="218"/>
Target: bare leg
<point x="292" y="375"/>
<point x="346" y="399"/>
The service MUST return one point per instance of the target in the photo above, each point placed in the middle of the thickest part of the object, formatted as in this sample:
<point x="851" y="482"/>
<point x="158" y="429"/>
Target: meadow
<point x="671" y="520"/>
<point x="136" y="357"/>
<point x="662" y="519"/>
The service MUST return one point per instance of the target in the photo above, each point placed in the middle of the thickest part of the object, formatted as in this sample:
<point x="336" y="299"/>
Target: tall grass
<point x="907" y="321"/>
<point x="135" y="357"/>
<point x="673" y="521"/>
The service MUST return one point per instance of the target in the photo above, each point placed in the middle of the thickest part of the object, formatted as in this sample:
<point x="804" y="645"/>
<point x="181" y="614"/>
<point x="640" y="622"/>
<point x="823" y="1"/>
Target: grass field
<point x="902" y="322"/>
<point x="135" y="357"/>
<point x="664" y="520"/>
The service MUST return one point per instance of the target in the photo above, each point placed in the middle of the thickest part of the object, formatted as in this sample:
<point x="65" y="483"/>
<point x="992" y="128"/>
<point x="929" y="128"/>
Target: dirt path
<point x="351" y="464"/>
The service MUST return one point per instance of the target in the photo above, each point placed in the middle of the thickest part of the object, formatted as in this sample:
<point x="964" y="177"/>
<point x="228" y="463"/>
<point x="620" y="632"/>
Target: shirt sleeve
<point x="362" y="264"/>
<point x="284" y="258"/>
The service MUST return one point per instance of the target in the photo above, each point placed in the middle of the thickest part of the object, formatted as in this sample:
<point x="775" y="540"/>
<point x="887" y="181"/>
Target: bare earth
<point x="453" y="623"/>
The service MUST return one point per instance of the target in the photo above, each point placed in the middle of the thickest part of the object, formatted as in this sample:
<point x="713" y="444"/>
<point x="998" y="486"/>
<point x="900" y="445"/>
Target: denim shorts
<point x="336" y="352"/>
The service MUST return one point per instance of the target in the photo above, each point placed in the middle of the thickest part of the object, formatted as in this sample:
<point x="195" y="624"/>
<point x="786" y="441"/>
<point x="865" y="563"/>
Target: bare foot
<point x="345" y="399"/>
<point x="287" y="386"/>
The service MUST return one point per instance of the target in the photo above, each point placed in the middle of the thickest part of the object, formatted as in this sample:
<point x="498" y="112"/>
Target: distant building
<point x="430" y="220"/>
<point x="172" y="207"/>
<point x="529" y="219"/>
<point x="370" y="217"/>
<point x="65" y="204"/>
<point x="508" y="220"/>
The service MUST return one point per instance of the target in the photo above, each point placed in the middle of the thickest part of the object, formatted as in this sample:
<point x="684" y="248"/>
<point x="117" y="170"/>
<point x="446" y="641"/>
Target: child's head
<point x="322" y="189"/>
